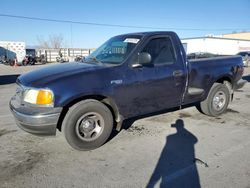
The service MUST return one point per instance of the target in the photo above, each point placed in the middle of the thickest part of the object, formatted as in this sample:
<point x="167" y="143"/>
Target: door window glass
<point x="161" y="50"/>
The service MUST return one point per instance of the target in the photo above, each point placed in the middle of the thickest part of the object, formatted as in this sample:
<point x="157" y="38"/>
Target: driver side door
<point x="160" y="85"/>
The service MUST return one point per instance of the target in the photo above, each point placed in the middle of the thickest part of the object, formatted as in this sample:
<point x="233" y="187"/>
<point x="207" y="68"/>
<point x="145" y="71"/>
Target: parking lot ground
<point x="176" y="149"/>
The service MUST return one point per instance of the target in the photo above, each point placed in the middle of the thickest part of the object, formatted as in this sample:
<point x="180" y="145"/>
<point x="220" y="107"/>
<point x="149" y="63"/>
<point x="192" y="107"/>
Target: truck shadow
<point x="8" y="79"/>
<point x="176" y="166"/>
<point x="127" y="123"/>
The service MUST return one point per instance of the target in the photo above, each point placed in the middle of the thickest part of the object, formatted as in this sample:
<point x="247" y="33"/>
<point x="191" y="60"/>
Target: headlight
<point x="38" y="96"/>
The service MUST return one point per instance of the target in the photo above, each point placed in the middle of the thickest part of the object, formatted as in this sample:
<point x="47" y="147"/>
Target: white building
<point x="13" y="49"/>
<point x="216" y="45"/>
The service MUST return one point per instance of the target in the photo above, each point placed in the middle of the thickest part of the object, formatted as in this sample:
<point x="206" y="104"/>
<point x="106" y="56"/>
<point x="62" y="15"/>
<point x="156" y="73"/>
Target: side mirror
<point x="144" y="59"/>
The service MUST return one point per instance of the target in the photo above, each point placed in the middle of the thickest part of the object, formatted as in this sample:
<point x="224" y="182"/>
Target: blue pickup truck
<point x="128" y="76"/>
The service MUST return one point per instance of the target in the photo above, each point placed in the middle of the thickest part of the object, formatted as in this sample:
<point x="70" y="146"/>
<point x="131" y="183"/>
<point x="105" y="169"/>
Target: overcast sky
<point x="188" y="18"/>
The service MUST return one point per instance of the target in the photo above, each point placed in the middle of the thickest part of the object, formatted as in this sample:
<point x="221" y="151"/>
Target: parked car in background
<point x="245" y="57"/>
<point x="29" y="60"/>
<point x="42" y="59"/>
<point x="32" y="60"/>
<point x="62" y="60"/>
<point x="79" y="58"/>
<point x="7" y="61"/>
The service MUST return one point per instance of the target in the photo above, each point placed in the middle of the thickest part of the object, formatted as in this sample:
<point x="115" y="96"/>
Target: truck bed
<point x="204" y="72"/>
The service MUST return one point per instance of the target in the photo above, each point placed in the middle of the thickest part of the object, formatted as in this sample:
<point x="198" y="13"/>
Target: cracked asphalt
<point x="178" y="149"/>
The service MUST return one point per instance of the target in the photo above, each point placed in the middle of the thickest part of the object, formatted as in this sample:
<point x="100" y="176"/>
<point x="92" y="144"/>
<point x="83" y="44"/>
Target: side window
<point x="161" y="50"/>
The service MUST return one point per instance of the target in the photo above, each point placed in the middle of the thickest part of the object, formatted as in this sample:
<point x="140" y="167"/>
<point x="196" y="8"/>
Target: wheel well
<point x="228" y="82"/>
<point x="105" y="100"/>
<point x="223" y="79"/>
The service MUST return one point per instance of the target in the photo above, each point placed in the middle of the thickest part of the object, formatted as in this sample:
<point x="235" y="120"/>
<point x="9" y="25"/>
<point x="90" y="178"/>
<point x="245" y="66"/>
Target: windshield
<point x="115" y="50"/>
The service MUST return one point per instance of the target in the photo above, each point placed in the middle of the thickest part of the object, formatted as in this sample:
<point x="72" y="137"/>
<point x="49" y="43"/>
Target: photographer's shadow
<point x="176" y="166"/>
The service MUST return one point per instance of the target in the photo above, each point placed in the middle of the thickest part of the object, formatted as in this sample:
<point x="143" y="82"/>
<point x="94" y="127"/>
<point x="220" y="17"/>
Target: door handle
<point x="177" y="73"/>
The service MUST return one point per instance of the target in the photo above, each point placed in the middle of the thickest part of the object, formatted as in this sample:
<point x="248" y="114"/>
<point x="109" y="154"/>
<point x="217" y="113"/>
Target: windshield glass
<point x="115" y="50"/>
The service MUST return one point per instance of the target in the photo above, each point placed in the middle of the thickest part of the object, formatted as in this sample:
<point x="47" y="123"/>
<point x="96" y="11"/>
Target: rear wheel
<point x="87" y="125"/>
<point x="217" y="100"/>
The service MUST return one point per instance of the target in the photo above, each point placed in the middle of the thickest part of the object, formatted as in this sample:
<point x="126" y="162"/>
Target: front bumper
<point x="240" y="84"/>
<point x="36" y="121"/>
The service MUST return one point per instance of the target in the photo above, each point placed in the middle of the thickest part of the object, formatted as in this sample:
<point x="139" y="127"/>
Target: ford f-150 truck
<point x="128" y="76"/>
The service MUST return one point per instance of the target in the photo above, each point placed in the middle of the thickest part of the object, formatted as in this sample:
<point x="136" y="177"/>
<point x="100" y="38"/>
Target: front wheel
<point x="217" y="100"/>
<point x="87" y="125"/>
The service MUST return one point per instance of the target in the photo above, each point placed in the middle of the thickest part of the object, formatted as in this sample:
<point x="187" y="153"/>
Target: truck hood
<point x="43" y="76"/>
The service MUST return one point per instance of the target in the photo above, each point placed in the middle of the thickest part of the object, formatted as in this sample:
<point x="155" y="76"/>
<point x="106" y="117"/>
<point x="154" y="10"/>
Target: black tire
<point x="247" y="63"/>
<point x="24" y="63"/>
<point x="12" y="63"/>
<point x="217" y="100"/>
<point x="71" y="128"/>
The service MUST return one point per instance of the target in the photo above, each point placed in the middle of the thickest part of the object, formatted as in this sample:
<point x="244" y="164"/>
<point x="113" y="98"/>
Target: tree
<point x="54" y="41"/>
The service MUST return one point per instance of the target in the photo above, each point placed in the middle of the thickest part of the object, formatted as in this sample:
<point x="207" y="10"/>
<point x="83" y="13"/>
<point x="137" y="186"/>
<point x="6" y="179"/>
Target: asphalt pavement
<point x="178" y="149"/>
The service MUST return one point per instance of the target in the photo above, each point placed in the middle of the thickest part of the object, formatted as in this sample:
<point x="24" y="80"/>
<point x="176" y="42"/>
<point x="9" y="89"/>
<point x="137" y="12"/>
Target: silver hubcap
<point x="219" y="100"/>
<point x="89" y="126"/>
